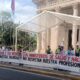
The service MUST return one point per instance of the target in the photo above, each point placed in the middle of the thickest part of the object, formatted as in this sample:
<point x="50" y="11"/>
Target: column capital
<point x="75" y="6"/>
<point x="75" y="9"/>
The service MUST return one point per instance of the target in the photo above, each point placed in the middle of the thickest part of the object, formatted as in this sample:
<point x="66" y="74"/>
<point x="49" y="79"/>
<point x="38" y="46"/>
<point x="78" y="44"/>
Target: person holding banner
<point x="48" y="51"/>
<point x="62" y="50"/>
<point x="69" y="52"/>
<point x="72" y="51"/>
<point x="77" y="51"/>
<point x="20" y="52"/>
<point x="58" y="50"/>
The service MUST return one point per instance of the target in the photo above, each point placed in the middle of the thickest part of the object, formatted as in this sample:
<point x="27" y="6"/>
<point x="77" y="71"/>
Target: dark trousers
<point x="77" y="54"/>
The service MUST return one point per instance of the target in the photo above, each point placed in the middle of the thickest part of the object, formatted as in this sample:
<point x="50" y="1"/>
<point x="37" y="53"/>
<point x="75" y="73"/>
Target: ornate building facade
<point x="68" y="34"/>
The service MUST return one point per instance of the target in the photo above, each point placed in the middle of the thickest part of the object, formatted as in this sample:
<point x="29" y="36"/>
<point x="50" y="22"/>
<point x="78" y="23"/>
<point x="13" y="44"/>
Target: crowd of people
<point x="3" y="48"/>
<point x="60" y="50"/>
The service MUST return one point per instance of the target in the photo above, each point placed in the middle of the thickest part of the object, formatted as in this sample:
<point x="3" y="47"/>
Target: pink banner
<point x="42" y="56"/>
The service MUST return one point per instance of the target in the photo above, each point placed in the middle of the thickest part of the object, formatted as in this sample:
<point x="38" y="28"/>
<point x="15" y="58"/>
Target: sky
<point x="24" y="9"/>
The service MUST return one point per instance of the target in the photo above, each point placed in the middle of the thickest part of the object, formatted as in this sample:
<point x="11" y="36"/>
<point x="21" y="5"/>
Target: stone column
<point x="38" y="42"/>
<point x="44" y="41"/>
<point x="48" y="37"/>
<point x="74" y="28"/>
<point x="58" y="27"/>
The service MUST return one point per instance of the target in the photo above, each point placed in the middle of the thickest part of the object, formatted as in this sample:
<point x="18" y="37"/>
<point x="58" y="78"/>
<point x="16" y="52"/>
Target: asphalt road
<point x="10" y="74"/>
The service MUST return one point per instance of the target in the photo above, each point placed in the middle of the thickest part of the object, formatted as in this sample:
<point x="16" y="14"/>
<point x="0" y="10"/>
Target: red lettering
<point x="75" y="59"/>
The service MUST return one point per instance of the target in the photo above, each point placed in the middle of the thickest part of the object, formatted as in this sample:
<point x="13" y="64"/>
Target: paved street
<point x="9" y="74"/>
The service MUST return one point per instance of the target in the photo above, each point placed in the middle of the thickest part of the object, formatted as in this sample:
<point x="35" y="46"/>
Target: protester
<point x="69" y="51"/>
<point x="77" y="51"/>
<point x="48" y="51"/>
<point x="0" y="49"/>
<point x="72" y="52"/>
<point x="58" y="50"/>
<point x="62" y="50"/>
<point x="19" y="54"/>
<point x="3" y="48"/>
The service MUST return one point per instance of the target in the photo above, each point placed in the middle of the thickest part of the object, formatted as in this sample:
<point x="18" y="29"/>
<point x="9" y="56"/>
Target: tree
<point x="7" y="29"/>
<point x="27" y="41"/>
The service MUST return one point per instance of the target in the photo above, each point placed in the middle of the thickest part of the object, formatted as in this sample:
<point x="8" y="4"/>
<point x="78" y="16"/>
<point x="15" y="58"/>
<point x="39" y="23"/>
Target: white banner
<point x="70" y="63"/>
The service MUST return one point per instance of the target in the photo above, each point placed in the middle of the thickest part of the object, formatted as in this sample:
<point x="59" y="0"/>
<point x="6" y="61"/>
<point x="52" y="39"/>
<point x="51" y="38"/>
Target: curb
<point x="44" y="72"/>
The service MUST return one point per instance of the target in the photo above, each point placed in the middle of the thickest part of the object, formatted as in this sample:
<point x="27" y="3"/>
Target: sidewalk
<point x="55" y="73"/>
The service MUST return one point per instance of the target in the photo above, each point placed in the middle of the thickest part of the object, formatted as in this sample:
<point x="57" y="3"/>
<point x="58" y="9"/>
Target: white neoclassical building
<point x="68" y="35"/>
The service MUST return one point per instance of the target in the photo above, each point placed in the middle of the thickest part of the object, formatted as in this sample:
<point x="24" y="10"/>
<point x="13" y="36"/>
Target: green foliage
<point x="19" y="47"/>
<point x="7" y="34"/>
<point x="27" y="41"/>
